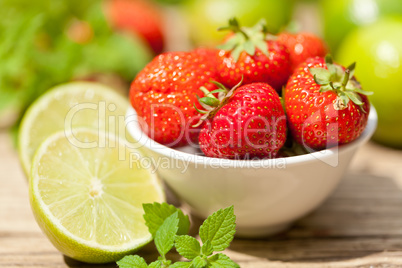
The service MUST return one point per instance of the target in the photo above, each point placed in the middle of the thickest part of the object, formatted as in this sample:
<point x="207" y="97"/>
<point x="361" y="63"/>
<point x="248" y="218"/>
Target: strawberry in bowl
<point x="248" y="123"/>
<point x="268" y="194"/>
<point x="164" y="93"/>
<point x="254" y="55"/>
<point x="325" y="104"/>
<point x="243" y="132"/>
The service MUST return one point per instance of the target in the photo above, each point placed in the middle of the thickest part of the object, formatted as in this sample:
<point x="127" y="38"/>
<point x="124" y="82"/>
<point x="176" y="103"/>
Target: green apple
<point x="206" y="16"/>
<point x="342" y="16"/>
<point x="377" y="49"/>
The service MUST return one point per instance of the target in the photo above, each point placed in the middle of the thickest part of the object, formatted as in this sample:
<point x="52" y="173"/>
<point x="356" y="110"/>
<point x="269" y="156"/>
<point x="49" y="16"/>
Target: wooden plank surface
<point x="360" y="225"/>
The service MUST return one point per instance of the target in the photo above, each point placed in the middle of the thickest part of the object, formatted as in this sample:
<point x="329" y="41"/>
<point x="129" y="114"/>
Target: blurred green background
<point x="47" y="42"/>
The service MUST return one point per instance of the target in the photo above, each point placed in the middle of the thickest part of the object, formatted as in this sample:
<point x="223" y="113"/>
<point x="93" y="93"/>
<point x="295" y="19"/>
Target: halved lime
<point x="70" y="105"/>
<point x="86" y="192"/>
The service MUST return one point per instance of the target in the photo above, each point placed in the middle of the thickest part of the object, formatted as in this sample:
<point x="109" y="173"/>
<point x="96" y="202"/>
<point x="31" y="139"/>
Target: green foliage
<point x="219" y="229"/>
<point x="166" y="224"/>
<point x="36" y="52"/>
<point x="156" y="214"/>
<point x="132" y="261"/>
<point x="164" y="236"/>
<point x="188" y="246"/>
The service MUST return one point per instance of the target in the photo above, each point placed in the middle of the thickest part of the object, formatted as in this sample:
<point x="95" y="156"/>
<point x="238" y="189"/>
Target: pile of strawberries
<point x="227" y="100"/>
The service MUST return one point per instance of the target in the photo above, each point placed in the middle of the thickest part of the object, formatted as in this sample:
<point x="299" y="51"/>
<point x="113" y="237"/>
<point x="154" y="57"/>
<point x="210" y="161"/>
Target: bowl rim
<point x="143" y="140"/>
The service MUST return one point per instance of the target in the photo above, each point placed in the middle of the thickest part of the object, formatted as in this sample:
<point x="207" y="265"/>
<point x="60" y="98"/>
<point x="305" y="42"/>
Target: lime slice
<point x="82" y="104"/>
<point x="86" y="192"/>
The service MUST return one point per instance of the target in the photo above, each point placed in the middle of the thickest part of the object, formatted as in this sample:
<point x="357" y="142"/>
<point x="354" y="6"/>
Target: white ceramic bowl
<point x="268" y="195"/>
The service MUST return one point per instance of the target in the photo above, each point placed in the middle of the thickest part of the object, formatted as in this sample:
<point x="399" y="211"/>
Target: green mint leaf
<point x="221" y="261"/>
<point x="199" y="262"/>
<point x="207" y="248"/>
<point x="180" y="265"/>
<point x="156" y="213"/>
<point x="132" y="262"/>
<point x="164" y="237"/>
<point x="219" y="228"/>
<point x="187" y="246"/>
<point x="155" y="264"/>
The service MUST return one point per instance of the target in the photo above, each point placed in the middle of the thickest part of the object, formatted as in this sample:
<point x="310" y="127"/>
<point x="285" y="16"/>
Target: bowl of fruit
<point x="254" y="124"/>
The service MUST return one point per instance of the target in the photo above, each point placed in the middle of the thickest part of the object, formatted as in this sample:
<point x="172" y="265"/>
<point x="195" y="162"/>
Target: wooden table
<point x="360" y="225"/>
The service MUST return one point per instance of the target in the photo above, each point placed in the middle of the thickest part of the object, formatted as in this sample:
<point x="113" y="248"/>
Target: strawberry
<point x="164" y="92"/>
<point x="139" y="17"/>
<point x="325" y="104"/>
<point x="249" y="122"/>
<point x="249" y="53"/>
<point x="302" y="46"/>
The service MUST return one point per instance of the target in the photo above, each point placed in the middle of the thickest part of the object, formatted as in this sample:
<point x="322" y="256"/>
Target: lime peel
<point x="113" y="225"/>
<point x="94" y="105"/>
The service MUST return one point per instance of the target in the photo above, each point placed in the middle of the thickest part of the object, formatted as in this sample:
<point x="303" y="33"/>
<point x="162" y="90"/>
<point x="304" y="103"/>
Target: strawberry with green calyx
<point x="245" y="123"/>
<point x="325" y="104"/>
<point x="253" y="54"/>
<point x="164" y="92"/>
<point x="340" y="81"/>
<point x="211" y="103"/>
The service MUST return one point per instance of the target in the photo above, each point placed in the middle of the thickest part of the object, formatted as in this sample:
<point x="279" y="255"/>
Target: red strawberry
<point x="249" y="53"/>
<point x="248" y="123"/>
<point x="139" y="17"/>
<point x="325" y="105"/>
<point x="164" y="93"/>
<point x="302" y="46"/>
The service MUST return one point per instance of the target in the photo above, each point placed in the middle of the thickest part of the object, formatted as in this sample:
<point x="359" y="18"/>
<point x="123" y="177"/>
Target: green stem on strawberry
<point x="211" y="103"/>
<point x="346" y="78"/>
<point x="234" y="27"/>
<point x="209" y="100"/>
<point x="340" y="81"/>
<point x="246" y="39"/>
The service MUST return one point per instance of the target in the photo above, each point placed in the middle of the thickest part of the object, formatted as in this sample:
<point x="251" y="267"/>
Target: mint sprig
<point x="169" y="227"/>
<point x="157" y="213"/>
<point x="188" y="247"/>
<point x="219" y="229"/>
<point x="132" y="261"/>
<point x="165" y="235"/>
